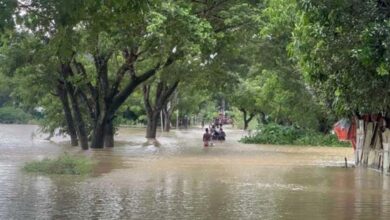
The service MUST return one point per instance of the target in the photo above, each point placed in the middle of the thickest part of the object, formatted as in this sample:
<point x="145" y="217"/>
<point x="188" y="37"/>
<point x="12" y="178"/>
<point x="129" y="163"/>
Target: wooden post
<point x="346" y="162"/>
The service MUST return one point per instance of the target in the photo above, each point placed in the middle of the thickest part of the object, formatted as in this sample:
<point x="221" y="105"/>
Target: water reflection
<point x="182" y="180"/>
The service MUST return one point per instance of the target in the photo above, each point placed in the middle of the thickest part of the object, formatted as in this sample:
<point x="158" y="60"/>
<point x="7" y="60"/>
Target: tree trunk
<point x="162" y="95"/>
<point x="246" y="123"/>
<point x="66" y="71"/>
<point x="99" y="96"/>
<point x="167" y="120"/>
<point x="185" y="122"/>
<point x="247" y="118"/>
<point x="98" y="133"/>
<point x="263" y="118"/>
<point x="63" y="96"/>
<point x="109" y="134"/>
<point x="82" y="134"/>
<point x="151" y="129"/>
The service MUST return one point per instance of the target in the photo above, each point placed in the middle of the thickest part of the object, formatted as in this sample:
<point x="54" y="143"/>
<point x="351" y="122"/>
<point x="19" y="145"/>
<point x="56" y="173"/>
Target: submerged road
<point x="180" y="179"/>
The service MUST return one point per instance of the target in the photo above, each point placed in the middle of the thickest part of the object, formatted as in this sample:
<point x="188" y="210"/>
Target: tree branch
<point x="168" y="93"/>
<point x="136" y="80"/>
<point x="81" y="69"/>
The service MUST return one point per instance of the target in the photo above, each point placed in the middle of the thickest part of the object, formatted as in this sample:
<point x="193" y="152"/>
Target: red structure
<point x="346" y="131"/>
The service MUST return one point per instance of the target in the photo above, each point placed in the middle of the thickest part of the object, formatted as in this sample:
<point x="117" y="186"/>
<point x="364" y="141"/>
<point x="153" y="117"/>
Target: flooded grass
<point x="64" y="164"/>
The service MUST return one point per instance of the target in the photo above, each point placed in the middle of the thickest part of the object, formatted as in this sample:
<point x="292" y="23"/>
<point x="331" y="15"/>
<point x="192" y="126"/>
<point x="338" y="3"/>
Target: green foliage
<point x="341" y="47"/>
<point x="236" y="116"/>
<point x="313" y="138"/>
<point x="131" y="38"/>
<point x="273" y="134"/>
<point x="11" y="115"/>
<point x="53" y="114"/>
<point x="294" y="62"/>
<point x="254" y="71"/>
<point x="208" y="111"/>
<point x="5" y="90"/>
<point x="7" y="8"/>
<point x="64" y="164"/>
<point x="290" y="135"/>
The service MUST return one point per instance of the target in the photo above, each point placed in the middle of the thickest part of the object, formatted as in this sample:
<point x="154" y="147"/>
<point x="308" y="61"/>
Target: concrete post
<point x="359" y="142"/>
<point x="386" y="146"/>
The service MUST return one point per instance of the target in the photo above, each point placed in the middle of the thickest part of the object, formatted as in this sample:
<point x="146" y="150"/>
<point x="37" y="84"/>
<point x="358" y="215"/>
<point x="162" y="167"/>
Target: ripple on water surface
<point x="182" y="180"/>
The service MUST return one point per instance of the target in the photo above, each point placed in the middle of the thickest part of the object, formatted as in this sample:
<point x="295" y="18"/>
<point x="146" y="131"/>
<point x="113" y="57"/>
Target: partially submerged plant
<point x="64" y="164"/>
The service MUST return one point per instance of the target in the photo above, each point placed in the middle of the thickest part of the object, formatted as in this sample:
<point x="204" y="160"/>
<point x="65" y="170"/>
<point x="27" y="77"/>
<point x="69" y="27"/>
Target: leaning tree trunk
<point x="82" y="134"/>
<point x="63" y="96"/>
<point x="66" y="71"/>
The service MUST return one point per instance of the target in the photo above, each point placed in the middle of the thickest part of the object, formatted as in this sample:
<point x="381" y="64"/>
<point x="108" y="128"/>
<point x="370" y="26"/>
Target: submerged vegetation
<point x="64" y="164"/>
<point x="290" y="135"/>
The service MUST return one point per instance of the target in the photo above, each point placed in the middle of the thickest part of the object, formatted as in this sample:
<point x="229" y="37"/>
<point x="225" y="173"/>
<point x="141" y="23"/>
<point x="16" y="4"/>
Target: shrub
<point x="65" y="164"/>
<point x="10" y="115"/>
<point x="280" y="135"/>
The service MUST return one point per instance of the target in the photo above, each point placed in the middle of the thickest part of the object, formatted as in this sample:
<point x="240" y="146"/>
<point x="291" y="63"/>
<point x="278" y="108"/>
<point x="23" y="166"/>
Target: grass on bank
<point x="289" y="135"/>
<point x="64" y="164"/>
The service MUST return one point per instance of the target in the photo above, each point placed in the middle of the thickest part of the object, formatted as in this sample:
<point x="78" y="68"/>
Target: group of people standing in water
<point x="214" y="132"/>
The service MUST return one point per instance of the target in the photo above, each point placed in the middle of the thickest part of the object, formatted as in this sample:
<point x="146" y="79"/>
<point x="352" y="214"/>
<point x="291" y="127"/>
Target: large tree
<point x="342" y="49"/>
<point x="101" y="52"/>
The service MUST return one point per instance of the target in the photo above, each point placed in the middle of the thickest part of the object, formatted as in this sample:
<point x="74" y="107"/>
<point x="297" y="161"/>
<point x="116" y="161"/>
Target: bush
<point x="65" y="164"/>
<point x="11" y="115"/>
<point x="281" y="135"/>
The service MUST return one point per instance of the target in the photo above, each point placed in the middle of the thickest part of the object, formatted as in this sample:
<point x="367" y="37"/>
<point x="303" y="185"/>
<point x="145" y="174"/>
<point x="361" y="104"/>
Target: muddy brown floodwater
<point x="182" y="180"/>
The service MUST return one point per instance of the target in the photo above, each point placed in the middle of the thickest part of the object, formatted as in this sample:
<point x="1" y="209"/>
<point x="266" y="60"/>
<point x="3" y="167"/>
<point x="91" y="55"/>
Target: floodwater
<point x="182" y="180"/>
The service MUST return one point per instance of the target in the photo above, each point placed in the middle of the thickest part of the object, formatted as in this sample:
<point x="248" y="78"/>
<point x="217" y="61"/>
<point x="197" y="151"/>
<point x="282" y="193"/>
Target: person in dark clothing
<point x="222" y="135"/>
<point x="206" y="138"/>
<point x="215" y="135"/>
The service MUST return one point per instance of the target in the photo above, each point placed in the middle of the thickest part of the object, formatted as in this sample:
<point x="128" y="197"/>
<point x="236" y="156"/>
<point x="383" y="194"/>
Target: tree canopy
<point x="86" y="63"/>
<point x="341" y="49"/>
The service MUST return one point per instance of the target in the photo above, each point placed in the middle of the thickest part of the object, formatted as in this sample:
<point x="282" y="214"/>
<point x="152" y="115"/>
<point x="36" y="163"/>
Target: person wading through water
<point x="206" y="138"/>
<point x="222" y="135"/>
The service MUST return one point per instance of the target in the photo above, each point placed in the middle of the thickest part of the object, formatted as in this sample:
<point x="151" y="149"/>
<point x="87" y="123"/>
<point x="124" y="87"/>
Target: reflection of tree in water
<point x="106" y="161"/>
<point x="84" y="198"/>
